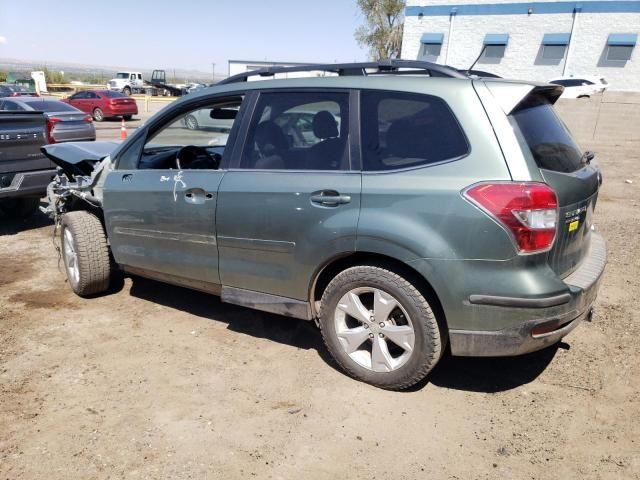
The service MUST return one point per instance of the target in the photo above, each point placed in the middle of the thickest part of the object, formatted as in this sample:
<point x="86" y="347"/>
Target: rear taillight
<point x="15" y="94"/>
<point x="51" y="122"/>
<point x="528" y="210"/>
<point x="88" y="118"/>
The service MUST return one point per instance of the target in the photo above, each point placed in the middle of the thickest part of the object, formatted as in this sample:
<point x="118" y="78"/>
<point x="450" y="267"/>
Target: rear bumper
<point x="118" y="111"/>
<point x="28" y="184"/>
<point x="87" y="133"/>
<point x="566" y="311"/>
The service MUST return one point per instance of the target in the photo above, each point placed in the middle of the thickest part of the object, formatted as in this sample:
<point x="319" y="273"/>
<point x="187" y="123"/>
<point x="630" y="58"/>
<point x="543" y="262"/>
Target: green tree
<point x="52" y="76"/>
<point x="382" y="31"/>
<point x="3" y="76"/>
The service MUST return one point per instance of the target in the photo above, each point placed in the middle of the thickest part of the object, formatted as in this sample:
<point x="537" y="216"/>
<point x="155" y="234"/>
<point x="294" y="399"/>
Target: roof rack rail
<point x="356" y="69"/>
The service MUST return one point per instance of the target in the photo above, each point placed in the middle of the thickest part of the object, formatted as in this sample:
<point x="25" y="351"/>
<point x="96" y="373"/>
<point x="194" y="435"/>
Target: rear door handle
<point x="330" y="198"/>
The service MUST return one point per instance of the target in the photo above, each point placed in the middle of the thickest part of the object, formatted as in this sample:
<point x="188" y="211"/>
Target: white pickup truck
<point x="127" y="83"/>
<point x="132" y="82"/>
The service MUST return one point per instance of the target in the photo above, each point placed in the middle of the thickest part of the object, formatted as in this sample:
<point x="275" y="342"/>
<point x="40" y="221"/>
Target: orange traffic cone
<point x="123" y="130"/>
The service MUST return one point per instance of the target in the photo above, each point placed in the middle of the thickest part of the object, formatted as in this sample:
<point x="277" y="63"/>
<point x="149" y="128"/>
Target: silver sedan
<point x="64" y="122"/>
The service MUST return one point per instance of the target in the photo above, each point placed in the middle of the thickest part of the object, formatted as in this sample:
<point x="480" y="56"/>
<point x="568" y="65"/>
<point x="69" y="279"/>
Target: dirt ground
<point x="158" y="382"/>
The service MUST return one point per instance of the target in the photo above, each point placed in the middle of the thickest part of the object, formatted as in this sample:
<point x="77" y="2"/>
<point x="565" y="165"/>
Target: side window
<point x="299" y="131"/>
<point x="11" y="106"/>
<point x="193" y="140"/>
<point x="139" y="76"/>
<point x="401" y="130"/>
<point x="91" y="95"/>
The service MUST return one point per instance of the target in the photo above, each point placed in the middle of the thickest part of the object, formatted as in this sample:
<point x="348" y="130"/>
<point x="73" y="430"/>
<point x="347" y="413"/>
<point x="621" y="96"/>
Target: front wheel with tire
<point x="127" y="117"/>
<point x="379" y="328"/>
<point x="85" y="253"/>
<point x="191" y="122"/>
<point x="126" y="91"/>
<point x="98" y="114"/>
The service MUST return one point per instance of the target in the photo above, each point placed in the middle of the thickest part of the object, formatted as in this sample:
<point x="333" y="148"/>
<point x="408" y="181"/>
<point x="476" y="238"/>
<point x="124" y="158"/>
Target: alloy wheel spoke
<point x="381" y="359"/>
<point x="353" y="338"/>
<point x="383" y="305"/>
<point x="352" y="306"/>
<point x="401" y="335"/>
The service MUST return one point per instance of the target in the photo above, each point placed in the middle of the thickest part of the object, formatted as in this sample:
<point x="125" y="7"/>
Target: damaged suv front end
<point x="82" y="168"/>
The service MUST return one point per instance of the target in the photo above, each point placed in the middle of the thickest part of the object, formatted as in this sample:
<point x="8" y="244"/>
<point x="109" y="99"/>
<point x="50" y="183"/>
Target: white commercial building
<point x="539" y="40"/>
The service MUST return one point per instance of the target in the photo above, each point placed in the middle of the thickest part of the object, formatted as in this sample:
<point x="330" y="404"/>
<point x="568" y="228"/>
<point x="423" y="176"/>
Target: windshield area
<point x="122" y="75"/>
<point x="545" y="137"/>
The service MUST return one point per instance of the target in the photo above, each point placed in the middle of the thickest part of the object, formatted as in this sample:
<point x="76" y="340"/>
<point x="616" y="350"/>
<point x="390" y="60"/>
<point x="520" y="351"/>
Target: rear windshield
<point x="541" y="132"/>
<point x="51" y="106"/>
<point x="112" y="94"/>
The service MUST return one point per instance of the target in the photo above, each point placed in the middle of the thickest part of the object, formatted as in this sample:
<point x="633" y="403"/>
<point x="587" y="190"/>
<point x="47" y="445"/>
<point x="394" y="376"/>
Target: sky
<point x="182" y="34"/>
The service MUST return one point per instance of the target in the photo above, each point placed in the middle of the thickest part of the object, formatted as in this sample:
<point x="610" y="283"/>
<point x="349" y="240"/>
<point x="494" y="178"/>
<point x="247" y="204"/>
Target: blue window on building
<point x="554" y="45"/>
<point x="431" y="46"/>
<point x="495" y="45"/>
<point x="620" y="46"/>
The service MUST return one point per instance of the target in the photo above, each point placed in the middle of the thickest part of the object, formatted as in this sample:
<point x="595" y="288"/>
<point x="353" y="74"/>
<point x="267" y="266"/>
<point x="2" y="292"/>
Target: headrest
<point x="324" y="125"/>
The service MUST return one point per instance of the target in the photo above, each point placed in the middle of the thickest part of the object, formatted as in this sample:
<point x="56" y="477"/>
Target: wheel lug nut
<point x="366" y="325"/>
<point x="381" y="324"/>
<point x="381" y="335"/>
<point x="371" y="319"/>
<point x="371" y="335"/>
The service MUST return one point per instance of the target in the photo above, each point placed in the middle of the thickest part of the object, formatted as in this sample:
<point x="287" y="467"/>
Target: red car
<point x="103" y="104"/>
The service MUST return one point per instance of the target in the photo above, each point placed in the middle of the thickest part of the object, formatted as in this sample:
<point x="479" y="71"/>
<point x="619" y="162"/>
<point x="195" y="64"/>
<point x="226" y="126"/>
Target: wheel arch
<point x="335" y="265"/>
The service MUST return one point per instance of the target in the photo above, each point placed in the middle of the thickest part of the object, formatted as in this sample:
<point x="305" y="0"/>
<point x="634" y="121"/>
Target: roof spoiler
<point x="514" y="95"/>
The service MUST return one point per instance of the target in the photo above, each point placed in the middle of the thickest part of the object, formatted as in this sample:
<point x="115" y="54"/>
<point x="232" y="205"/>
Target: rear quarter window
<point x="542" y="134"/>
<point x="402" y="130"/>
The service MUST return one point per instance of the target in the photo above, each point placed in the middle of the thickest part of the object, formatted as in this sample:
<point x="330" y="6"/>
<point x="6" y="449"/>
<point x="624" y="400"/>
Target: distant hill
<point x="102" y="73"/>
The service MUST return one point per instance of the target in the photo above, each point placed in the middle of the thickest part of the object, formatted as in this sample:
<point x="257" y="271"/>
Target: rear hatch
<point x="546" y="140"/>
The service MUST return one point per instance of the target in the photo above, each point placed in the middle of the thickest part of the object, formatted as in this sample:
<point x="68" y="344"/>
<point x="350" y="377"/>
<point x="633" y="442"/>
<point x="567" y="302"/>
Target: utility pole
<point x="213" y="71"/>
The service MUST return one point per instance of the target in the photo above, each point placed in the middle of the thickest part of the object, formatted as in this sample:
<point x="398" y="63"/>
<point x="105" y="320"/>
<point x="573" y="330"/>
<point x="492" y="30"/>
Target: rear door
<point x="160" y="202"/>
<point x="292" y="200"/>
<point x="546" y="140"/>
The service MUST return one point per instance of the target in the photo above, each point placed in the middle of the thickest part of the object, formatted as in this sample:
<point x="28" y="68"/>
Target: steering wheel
<point x="192" y="157"/>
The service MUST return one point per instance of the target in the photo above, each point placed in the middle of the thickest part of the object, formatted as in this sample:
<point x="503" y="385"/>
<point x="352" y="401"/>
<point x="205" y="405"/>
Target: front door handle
<point x="197" y="196"/>
<point x="329" y="198"/>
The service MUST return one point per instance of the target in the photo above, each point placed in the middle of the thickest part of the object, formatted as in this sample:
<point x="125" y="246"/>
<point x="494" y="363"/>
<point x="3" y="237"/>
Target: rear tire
<point x="98" y="114"/>
<point x="392" y="308"/>
<point x="127" y="117"/>
<point x="19" y="208"/>
<point x="126" y="91"/>
<point x="85" y="253"/>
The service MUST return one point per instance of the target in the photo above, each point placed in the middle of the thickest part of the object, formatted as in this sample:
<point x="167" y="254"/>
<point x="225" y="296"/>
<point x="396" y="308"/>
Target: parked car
<point x="581" y="87"/>
<point x="64" y="122"/>
<point x="25" y="172"/>
<point x="419" y="211"/>
<point x="103" y="104"/>
<point x="16" y="91"/>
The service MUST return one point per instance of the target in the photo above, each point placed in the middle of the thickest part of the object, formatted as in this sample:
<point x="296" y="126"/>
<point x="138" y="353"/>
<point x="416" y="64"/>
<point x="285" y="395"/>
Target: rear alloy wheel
<point x="379" y="328"/>
<point x="191" y="122"/>
<point x="85" y="253"/>
<point x="98" y="114"/>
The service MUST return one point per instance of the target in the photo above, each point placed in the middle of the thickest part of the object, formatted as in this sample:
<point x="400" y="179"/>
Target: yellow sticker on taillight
<point x="574" y="225"/>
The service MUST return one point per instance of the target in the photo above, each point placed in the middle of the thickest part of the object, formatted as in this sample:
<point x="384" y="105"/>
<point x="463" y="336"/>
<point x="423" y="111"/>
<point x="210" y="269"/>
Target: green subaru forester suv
<point x="405" y="206"/>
